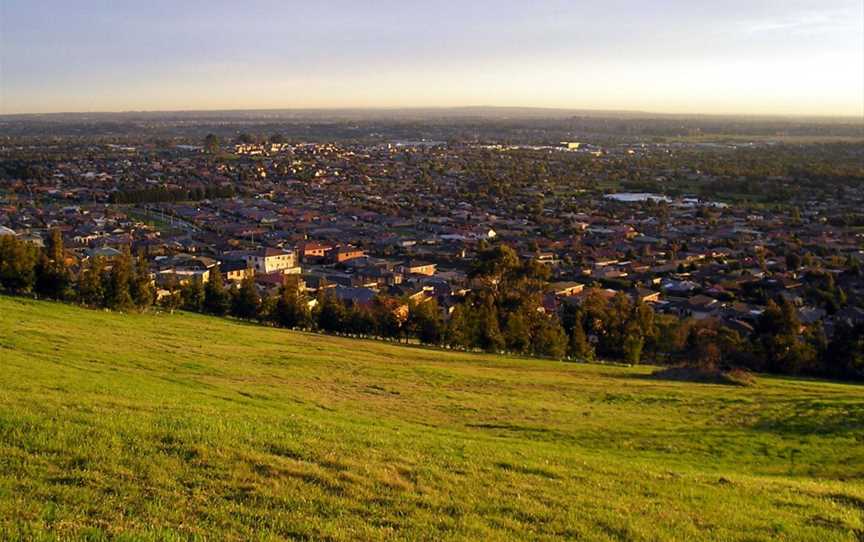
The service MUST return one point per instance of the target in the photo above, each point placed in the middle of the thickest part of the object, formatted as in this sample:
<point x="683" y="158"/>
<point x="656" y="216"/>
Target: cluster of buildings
<point x="405" y="221"/>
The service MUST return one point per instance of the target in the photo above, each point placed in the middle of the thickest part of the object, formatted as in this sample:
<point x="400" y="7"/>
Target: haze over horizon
<point x="764" y="57"/>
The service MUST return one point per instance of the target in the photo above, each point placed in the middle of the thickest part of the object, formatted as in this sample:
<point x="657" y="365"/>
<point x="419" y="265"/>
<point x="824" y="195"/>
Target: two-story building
<point x="270" y="260"/>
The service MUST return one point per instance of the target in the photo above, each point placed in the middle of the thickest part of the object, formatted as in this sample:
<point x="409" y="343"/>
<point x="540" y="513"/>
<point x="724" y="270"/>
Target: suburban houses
<point x="405" y="221"/>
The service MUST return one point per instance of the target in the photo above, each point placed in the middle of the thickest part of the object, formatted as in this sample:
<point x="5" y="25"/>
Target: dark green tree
<point x="549" y="339"/>
<point x="424" y="321"/>
<point x="291" y="309"/>
<point x="192" y="294"/>
<point x="53" y="277"/>
<point x="245" y="301"/>
<point x="117" y="295"/>
<point x="580" y="348"/>
<point x="212" y="143"/>
<point x="331" y="313"/>
<point x="517" y="332"/>
<point x="17" y="264"/>
<point x="217" y="299"/>
<point x="488" y="331"/>
<point x="90" y="283"/>
<point x="458" y="333"/>
<point x="141" y="286"/>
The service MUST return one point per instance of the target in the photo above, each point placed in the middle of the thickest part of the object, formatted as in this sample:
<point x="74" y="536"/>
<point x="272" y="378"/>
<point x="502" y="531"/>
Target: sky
<point x="786" y="57"/>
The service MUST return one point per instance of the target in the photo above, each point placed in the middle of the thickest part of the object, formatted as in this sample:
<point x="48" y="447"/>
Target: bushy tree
<point x="90" y="282"/>
<point x="53" y="277"/>
<point x="633" y="344"/>
<point x="389" y="323"/>
<point x="331" y="313"/>
<point x="517" y="332"/>
<point x="212" y="143"/>
<point x="579" y="347"/>
<point x="458" y="331"/>
<point x="488" y="336"/>
<point x="174" y="299"/>
<point x="779" y="337"/>
<point x="117" y="295"/>
<point x="845" y="353"/>
<point x="360" y="321"/>
<point x="245" y="301"/>
<point x="424" y="321"/>
<point x="291" y="309"/>
<point x="141" y="284"/>
<point x="17" y="264"/>
<point x="217" y="300"/>
<point x="549" y="339"/>
<point x="192" y="294"/>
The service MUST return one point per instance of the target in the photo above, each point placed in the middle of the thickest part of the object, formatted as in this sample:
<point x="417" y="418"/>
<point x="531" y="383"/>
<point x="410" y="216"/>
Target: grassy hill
<point x="175" y="427"/>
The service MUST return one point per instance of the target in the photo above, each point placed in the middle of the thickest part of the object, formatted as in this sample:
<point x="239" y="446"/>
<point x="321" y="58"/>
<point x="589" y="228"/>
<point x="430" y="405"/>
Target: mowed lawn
<point x="176" y="427"/>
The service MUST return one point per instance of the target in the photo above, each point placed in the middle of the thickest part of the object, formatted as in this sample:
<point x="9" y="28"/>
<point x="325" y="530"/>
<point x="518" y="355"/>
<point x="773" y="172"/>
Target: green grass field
<point x="176" y="427"/>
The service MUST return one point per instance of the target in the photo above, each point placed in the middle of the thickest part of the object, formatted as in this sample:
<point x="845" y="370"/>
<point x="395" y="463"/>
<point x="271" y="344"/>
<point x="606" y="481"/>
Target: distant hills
<point x="418" y="113"/>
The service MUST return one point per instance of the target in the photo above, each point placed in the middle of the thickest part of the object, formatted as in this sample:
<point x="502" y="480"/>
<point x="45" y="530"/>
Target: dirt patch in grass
<point x="734" y="377"/>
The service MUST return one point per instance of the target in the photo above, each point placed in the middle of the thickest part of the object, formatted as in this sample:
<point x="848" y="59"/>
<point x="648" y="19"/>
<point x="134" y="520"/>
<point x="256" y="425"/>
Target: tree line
<point x="170" y="195"/>
<point x="503" y="313"/>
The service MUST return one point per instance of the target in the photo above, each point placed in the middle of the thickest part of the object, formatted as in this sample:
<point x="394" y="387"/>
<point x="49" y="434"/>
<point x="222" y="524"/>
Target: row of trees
<point x="167" y="195"/>
<point x="503" y="313"/>
<point x="123" y="285"/>
<point x="291" y="308"/>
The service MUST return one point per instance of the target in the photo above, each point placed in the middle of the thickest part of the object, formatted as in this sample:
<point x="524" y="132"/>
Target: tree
<point x="331" y="313"/>
<point x="633" y="344"/>
<point x="517" y="332"/>
<point x="360" y="321"/>
<point x="117" y="295"/>
<point x="793" y="261"/>
<point x="702" y="346"/>
<point x="613" y="322"/>
<point x="580" y="348"/>
<point x="53" y="278"/>
<point x="389" y="323"/>
<point x="458" y="332"/>
<point x="778" y="336"/>
<point x="90" y="283"/>
<point x="845" y="353"/>
<point x="141" y="285"/>
<point x="291" y="309"/>
<point x="549" y="339"/>
<point x="192" y="294"/>
<point x="174" y="299"/>
<point x="217" y="300"/>
<point x="245" y="301"/>
<point x="495" y="264"/>
<point x="212" y="143"/>
<point x="669" y="340"/>
<point x="266" y="308"/>
<point x="424" y="321"/>
<point x="54" y="248"/>
<point x="488" y="332"/>
<point x="17" y="264"/>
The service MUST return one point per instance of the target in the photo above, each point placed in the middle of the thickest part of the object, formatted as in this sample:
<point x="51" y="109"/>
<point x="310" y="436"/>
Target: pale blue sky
<point x="734" y="56"/>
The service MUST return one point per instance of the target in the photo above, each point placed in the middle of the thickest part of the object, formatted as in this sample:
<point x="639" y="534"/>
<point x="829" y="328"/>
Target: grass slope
<point x="143" y="427"/>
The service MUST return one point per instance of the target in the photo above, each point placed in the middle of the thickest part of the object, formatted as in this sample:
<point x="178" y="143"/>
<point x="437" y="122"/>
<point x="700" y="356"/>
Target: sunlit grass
<point x="171" y="427"/>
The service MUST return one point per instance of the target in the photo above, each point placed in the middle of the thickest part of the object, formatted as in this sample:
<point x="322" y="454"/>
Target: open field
<point x="175" y="427"/>
<point x="785" y="139"/>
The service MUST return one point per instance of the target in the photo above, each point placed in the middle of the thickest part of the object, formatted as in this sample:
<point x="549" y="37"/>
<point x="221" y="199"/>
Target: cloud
<point x="806" y="23"/>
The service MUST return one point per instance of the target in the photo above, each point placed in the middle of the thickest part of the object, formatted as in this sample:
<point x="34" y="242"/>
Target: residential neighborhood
<point x="405" y="221"/>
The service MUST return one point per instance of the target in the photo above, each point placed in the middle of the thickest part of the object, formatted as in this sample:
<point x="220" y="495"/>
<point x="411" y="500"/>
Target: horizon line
<point x="441" y="108"/>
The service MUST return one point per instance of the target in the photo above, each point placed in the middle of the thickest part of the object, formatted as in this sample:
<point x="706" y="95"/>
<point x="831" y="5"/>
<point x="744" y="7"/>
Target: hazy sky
<point x="729" y="56"/>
